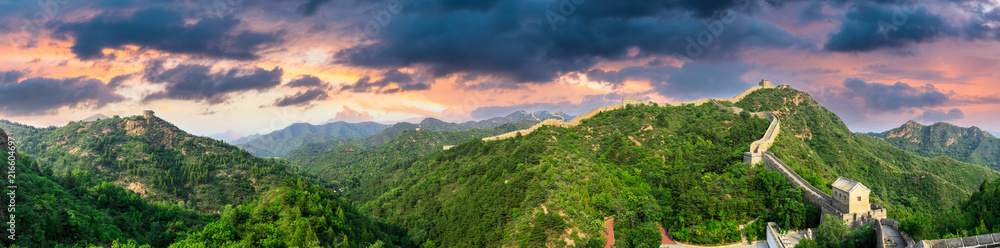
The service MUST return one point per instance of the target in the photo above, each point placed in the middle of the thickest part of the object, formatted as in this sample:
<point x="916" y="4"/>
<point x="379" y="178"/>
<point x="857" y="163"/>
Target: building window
<point x="859" y="198"/>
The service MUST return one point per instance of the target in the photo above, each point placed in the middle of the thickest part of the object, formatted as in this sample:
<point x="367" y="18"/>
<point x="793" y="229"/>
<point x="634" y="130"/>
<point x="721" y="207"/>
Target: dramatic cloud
<point x="692" y="80"/>
<point x="519" y="41"/>
<point x="934" y="115"/>
<point x="885" y="97"/>
<point x="40" y="96"/>
<point x="302" y="98"/>
<point x="392" y="81"/>
<point x="199" y="83"/>
<point x="167" y="31"/>
<point x="870" y="26"/>
<point x="309" y="8"/>
<point x="9" y="77"/>
<point x="351" y="115"/>
<point x="306" y="81"/>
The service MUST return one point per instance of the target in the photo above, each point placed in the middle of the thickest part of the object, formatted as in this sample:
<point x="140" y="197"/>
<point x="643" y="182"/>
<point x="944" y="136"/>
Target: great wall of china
<point x="886" y="229"/>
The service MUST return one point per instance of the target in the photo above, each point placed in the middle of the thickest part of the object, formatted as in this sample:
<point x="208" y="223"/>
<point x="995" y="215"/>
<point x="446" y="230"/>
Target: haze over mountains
<point x="280" y="142"/>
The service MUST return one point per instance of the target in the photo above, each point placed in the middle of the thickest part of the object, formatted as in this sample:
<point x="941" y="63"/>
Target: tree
<point x="807" y="243"/>
<point x="831" y="231"/>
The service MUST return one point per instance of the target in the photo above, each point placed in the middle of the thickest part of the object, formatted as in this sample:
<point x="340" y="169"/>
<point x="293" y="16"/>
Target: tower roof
<point x="848" y="185"/>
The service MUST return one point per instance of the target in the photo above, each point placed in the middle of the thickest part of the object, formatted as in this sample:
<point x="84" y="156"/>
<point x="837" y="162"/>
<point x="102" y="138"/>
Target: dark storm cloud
<point x="309" y="8"/>
<point x="38" y="96"/>
<point x="885" y="97"/>
<point x="392" y="81"/>
<point x="935" y="115"/>
<point x="514" y="39"/>
<point x="11" y="76"/>
<point x="116" y="81"/>
<point x="811" y="12"/>
<point x="167" y="31"/>
<point x="690" y="81"/>
<point x="306" y="81"/>
<point x="302" y="98"/>
<point x="869" y="26"/>
<point x="199" y="83"/>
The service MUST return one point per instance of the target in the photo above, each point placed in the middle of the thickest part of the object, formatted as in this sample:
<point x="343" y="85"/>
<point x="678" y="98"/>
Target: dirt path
<point x="609" y="235"/>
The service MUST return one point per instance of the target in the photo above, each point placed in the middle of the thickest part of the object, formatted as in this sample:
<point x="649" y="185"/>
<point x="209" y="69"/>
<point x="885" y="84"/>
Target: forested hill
<point x="182" y="191"/>
<point x="154" y="158"/>
<point x="278" y="143"/>
<point x="971" y="145"/>
<point x="819" y="147"/>
<point x="678" y="167"/>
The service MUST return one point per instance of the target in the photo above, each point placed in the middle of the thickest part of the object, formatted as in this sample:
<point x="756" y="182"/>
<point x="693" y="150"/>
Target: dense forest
<point x="818" y="146"/>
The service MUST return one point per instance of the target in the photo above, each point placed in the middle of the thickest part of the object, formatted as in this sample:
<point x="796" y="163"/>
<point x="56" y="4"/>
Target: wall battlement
<point x="626" y="101"/>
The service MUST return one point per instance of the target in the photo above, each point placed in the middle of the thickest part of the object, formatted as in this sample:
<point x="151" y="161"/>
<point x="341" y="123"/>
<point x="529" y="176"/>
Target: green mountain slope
<point x="155" y="159"/>
<point x="970" y="145"/>
<point x="344" y="162"/>
<point x="76" y="210"/>
<point x="278" y="143"/>
<point x="678" y="167"/>
<point x="87" y="204"/>
<point x="819" y="147"/>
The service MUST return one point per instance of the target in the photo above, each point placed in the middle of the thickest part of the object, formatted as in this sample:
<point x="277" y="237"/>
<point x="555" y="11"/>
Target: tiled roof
<point x="848" y="185"/>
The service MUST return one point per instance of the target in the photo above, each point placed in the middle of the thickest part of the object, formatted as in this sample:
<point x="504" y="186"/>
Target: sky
<point x="231" y="68"/>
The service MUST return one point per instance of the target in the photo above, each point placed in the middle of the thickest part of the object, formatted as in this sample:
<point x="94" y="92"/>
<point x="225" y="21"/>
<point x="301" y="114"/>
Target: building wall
<point x="862" y="206"/>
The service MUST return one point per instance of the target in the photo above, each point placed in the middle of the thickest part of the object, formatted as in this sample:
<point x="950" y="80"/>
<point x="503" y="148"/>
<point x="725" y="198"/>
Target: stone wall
<point x="627" y="101"/>
<point x="773" y="237"/>
<point x="985" y="240"/>
<point x="811" y="194"/>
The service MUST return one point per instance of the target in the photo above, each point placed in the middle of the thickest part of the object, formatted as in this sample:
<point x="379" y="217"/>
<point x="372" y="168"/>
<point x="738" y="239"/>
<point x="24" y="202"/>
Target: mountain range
<point x="140" y="180"/>
<point x="279" y="143"/>
<point x="971" y="145"/>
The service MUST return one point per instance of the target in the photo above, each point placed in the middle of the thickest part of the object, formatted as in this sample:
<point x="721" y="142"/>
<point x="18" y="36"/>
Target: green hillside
<point x="76" y="211"/>
<point x="679" y="167"/>
<point x="280" y="142"/>
<point x="819" y="147"/>
<point x="344" y="162"/>
<point x="154" y="158"/>
<point x="970" y="145"/>
<point x="88" y="204"/>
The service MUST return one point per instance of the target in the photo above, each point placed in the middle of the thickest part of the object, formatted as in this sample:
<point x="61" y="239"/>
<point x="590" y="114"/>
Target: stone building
<point x="148" y="114"/>
<point x="765" y="83"/>
<point x="851" y="198"/>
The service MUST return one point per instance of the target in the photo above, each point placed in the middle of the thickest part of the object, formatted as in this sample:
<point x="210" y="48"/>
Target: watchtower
<point x="148" y="114"/>
<point x="765" y="83"/>
<point x="850" y="196"/>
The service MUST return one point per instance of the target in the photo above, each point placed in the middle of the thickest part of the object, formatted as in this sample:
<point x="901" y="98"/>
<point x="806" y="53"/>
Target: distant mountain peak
<point x="95" y="117"/>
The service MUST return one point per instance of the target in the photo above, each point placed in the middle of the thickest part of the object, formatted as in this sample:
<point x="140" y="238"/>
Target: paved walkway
<point x="893" y="234"/>
<point x="609" y="234"/>
<point x="664" y="238"/>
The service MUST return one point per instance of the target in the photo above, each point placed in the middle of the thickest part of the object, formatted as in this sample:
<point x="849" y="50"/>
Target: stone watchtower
<point x="765" y="83"/>
<point x="629" y="100"/>
<point x="148" y="114"/>
<point x="850" y="196"/>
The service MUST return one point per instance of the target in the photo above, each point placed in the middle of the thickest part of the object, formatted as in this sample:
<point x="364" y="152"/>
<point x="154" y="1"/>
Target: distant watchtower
<point x="764" y="83"/>
<point x="148" y="114"/>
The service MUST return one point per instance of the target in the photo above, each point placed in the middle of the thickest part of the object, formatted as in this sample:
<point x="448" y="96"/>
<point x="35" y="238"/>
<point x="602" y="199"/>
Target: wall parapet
<point x="625" y="102"/>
